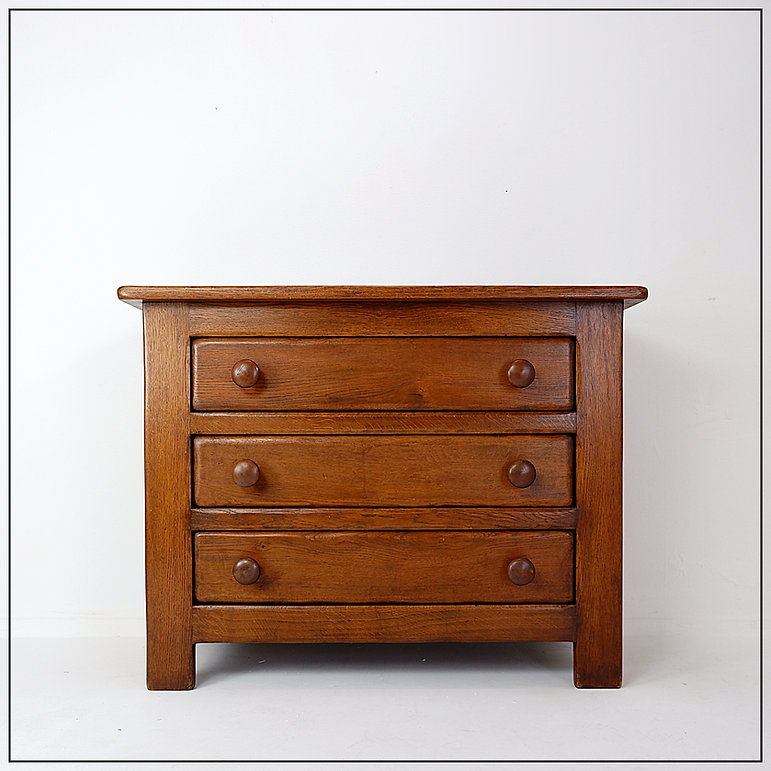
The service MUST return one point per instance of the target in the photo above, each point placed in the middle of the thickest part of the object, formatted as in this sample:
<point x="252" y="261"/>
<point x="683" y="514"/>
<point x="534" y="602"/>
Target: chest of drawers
<point x="383" y="464"/>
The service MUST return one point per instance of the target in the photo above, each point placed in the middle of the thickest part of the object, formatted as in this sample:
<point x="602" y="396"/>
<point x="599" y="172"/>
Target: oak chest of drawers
<point x="385" y="464"/>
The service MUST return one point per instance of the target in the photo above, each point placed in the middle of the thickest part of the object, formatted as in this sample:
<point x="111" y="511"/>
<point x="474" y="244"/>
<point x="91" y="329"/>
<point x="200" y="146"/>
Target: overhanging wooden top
<point x="136" y="295"/>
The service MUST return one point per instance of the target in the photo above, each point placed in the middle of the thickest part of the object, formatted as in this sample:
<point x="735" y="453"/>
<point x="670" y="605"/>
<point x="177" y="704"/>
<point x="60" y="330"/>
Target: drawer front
<point x="383" y="374"/>
<point x="384" y="567"/>
<point x="383" y="471"/>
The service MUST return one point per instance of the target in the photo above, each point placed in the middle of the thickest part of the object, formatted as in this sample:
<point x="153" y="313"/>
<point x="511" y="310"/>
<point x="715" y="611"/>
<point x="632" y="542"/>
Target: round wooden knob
<point x="247" y="571"/>
<point x="246" y="473"/>
<point x="521" y="373"/>
<point x="522" y="473"/>
<point x="245" y="373"/>
<point x="521" y="571"/>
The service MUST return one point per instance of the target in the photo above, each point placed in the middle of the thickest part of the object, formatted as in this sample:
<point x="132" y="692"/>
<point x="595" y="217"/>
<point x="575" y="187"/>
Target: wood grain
<point x="342" y="423"/>
<point x="383" y="319"/>
<point x="387" y="491"/>
<point x="597" y="650"/>
<point x="382" y="623"/>
<point x="368" y="567"/>
<point x="168" y="555"/>
<point x="383" y="471"/>
<point x="374" y="293"/>
<point x="334" y="518"/>
<point x="383" y="374"/>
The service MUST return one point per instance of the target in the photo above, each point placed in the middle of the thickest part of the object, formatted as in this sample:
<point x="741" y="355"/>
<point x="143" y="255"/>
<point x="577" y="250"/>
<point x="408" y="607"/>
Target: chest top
<point x="135" y="295"/>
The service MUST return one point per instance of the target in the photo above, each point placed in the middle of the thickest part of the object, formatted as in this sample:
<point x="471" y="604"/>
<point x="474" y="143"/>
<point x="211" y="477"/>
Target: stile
<point x="599" y="446"/>
<point x="168" y="557"/>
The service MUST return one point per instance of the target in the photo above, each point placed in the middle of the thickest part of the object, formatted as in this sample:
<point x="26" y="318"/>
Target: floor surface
<point x="685" y="697"/>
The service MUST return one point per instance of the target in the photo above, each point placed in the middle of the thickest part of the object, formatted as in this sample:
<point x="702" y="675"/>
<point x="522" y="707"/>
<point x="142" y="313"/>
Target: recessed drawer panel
<point x="384" y="567"/>
<point x="410" y="373"/>
<point x="383" y="471"/>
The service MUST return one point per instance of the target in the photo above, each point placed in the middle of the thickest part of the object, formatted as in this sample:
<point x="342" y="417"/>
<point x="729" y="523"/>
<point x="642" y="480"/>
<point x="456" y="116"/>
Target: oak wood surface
<point x="379" y="474"/>
<point x="374" y="293"/>
<point x="383" y="471"/>
<point x="383" y="374"/>
<point x="368" y="567"/>
<point x="599" y="446"/>
<point x="382" y="623"/>
<point x="432" y="518"/>
<point x="384" y="319"/>
<point x="168" y="557"/>
<point x="336" y="423"/>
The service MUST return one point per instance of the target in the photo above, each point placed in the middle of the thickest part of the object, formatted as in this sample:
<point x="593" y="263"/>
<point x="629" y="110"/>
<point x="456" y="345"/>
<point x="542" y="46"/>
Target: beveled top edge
<point x="135" y="295"/>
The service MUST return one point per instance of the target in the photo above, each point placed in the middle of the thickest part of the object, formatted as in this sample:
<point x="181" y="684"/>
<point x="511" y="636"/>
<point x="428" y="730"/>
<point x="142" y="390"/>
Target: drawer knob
<point x="521" y="571"/>
<point x="522" y="473"/>
<point x="245" y="373"/>
<point x="247" y="571"/>
<point x="521" y="373"/>
<point x="246" y="473"/>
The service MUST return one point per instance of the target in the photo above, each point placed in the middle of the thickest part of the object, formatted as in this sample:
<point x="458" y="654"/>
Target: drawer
<point x="444" y="567"/>
<point x="409" y="373"/>
<point x="383" y="471"/>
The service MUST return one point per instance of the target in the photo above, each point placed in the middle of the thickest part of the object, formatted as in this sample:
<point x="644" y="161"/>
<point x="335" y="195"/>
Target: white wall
<point x="384" y="148"/>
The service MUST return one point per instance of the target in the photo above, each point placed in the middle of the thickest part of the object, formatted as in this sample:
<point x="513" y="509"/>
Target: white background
<point x="385" y="148"/>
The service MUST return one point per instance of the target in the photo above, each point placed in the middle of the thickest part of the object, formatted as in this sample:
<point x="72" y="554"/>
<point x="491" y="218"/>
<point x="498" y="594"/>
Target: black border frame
<point x="751" y="9"/>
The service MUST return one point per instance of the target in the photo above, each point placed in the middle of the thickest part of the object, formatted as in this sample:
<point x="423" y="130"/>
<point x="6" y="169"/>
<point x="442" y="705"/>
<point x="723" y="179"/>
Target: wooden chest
<point x="383" y="464"/>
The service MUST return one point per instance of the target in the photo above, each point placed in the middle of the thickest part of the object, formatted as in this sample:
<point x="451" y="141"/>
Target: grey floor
<point x="686" y="696"/>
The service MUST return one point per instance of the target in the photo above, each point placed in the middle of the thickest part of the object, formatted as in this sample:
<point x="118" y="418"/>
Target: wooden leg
<point x="169" y="668"/>
<point x="168" y="543"/>
<point x="597" y="665"/>
<point x="597" y="648"/>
